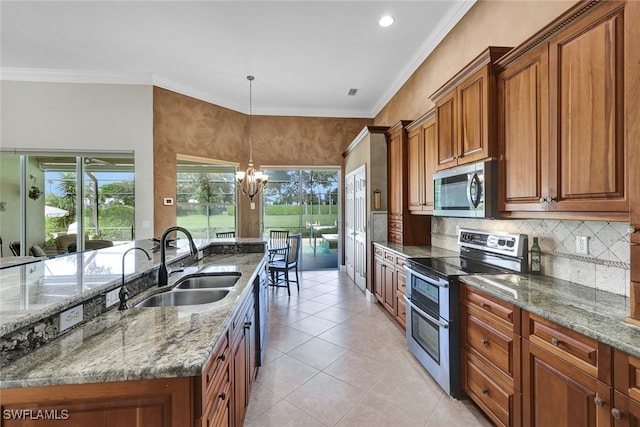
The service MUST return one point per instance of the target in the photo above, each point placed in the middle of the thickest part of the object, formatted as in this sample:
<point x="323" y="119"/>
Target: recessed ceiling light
<point x="386" y="21"/>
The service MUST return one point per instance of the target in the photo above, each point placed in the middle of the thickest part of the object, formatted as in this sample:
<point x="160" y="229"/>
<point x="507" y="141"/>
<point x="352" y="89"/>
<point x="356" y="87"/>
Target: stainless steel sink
<point x="176" y="298"/>
<point x="208" y="280"/>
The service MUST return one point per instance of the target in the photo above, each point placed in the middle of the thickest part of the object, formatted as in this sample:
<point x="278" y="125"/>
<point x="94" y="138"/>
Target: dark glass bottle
<point x="535" y="257"/>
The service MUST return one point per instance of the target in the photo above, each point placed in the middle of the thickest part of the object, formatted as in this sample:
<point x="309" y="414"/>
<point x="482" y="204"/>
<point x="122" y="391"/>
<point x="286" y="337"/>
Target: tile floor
<point x="334" y="359"/>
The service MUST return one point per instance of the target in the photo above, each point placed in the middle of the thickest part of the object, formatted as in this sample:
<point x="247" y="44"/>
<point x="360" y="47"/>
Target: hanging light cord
<point x="250" y="78"/>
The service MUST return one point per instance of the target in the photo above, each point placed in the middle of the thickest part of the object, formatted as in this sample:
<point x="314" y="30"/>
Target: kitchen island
<point x="164" y="359"/>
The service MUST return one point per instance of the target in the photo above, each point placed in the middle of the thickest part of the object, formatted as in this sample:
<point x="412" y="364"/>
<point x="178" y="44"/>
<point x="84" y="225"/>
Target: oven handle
<point x="423" y="314"/>
<point x="432" y="280"/>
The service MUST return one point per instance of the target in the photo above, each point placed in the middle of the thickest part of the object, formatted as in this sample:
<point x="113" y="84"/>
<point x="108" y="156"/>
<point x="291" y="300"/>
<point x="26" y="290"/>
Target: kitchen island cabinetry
<point x="465" y="113"/>
<point x="384" y="278"/>
<point x="421" y="164"/>
<point x="626" y="383"/>
<point x="561" y="112"/>
<point x="243" y="338"/>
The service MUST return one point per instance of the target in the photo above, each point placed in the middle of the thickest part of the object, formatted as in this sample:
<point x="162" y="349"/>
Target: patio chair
<point x="290" y="261"/>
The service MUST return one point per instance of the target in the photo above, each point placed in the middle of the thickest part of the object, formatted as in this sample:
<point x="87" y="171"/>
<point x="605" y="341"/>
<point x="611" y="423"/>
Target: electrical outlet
<point x="113" y="297"/>
<point x="582" y="245"/>
<point x="71" y="317"/>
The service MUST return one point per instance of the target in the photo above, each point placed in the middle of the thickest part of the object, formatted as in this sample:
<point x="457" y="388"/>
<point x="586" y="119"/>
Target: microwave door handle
<point x="474" y="182"/>
<point x="423" y="314"/>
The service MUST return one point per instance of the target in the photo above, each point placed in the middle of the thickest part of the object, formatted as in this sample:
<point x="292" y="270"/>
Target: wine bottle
<point x="535" y="257"/>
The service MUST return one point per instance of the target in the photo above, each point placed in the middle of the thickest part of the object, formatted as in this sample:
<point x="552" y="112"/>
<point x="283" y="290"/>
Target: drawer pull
<point x="555" y="341"/>
<point x="222" y="396"/>
<point x="484" y="342"/>
<point x="222" y="357"/>
<point x="484" y="390"/>
<point x="617" y="414"/>
<point x="598" y="401"/>
<point x="485" y="306"/>
<point x="247" y="325"/>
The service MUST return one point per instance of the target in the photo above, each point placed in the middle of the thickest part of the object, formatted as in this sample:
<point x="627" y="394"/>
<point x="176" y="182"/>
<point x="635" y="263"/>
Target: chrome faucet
<point x="163" y="273"/>
<point x="124" y="292"/>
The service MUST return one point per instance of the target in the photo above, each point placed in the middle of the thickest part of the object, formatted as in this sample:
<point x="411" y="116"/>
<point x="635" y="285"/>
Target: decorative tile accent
<point x="606" y="267"/>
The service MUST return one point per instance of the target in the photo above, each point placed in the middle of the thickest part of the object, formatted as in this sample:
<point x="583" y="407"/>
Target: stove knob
<point x="501" y="242"/>
<point x="510" y="243"/>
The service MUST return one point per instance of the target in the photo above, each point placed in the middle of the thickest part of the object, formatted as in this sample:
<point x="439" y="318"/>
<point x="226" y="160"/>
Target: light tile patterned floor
<point x="334" y="359"/>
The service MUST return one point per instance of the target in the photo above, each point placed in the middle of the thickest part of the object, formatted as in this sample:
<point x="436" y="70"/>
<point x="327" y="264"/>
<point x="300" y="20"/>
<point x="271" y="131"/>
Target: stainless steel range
<point x="433" y="297"/>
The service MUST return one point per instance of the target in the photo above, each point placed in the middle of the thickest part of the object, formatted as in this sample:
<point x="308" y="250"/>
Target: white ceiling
<point x="305" y="55"/>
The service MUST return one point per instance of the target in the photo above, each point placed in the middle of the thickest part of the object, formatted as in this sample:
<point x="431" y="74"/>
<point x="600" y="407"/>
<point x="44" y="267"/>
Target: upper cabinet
<point x="403" y="228"/>
<point x="561" y="110"/>
<point x="421" y="164"/>
<point x="465" y="113"/>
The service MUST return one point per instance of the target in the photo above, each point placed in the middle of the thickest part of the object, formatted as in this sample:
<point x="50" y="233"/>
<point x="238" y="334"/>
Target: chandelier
<point x="251" y="181"/>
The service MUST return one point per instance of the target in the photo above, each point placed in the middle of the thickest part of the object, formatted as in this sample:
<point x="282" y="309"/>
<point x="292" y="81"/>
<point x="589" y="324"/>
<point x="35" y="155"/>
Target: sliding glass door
<point x="305" y="200"/>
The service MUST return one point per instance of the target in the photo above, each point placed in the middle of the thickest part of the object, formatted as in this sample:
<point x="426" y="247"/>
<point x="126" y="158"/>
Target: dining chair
<point x="226" y="234"/>
<point x="15" y="248"/>
<point x="278" y="240"/>
<point x="290" y="261"/>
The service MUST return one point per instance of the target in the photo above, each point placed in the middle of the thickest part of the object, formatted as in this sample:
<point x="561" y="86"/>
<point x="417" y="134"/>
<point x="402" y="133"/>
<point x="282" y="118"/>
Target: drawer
<point x="395" y="225"/>
<point x="494" y="311"/>
<point x="400" y="262"/>
<point x="499" y="348"/>
<point x="217" y="407"/>
<point x="217" y="366"/>
<point x="389" y="257"/>
<point x="395" y="237"/>
<point x="626" y="373"/>
<point x="499" y="401"/>
<point x="377" y="250"/>
<point x="582" y="352"/>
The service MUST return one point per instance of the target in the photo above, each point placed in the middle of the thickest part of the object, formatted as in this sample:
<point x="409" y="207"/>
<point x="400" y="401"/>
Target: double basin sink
<point x="194" y="289"/>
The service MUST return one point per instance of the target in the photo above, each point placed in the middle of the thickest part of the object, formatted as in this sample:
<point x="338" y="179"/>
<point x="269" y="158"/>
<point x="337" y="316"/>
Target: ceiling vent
<point x="352" y="92"/>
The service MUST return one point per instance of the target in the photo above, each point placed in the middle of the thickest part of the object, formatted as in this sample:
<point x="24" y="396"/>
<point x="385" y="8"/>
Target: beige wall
<point x="184" y="125"/>
<point x="488" y="23"/>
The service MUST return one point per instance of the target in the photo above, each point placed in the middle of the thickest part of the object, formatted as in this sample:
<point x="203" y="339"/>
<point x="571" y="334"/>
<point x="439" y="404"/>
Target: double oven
<point x="433" y="298"/>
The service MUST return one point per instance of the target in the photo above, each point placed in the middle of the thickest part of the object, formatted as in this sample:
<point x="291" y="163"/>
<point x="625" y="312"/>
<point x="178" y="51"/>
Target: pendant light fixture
<point x="251" y="181"/>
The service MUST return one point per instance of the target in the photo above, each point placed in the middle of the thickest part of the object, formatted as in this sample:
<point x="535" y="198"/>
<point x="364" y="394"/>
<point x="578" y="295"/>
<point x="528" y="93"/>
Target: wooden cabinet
<point x="632" y="126"/>
<point x="421" y="163"/>
<point x="626" y="383"/>
<point x="566" y="376"/>
<point x="215" y="388"/>
<point x="403" y="228"/>
<point x="561" y="110"/>
<point x="390" y="282"/>
<point x="140" y="403"/>
<point x="243" y="356"/>
<point x="465" y="113"/>
<point x="491" y="355"/>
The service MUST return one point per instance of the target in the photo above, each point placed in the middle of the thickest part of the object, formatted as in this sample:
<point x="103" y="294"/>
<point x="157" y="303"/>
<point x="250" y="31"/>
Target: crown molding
<point x="73" y="76"/>
<point x="453" y="16"/>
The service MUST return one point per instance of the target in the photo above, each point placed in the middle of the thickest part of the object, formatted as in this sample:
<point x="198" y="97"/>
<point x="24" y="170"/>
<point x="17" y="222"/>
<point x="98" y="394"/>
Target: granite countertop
<point x="417" y="251"/>
<point x="597" y="314"/>
<point x="139" y="342"/>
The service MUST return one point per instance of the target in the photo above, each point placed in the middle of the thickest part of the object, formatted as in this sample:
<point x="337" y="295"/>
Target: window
<point x="206" y="196"/>
<point x="65" y="203"/>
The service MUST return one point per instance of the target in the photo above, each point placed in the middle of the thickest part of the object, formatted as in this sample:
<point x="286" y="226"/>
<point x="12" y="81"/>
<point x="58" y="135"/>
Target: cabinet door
<point x="395" y="174"/>
<point x="429" y="142"/>
<point x="523" y="133"/>
<point x="473" y="118"/>
<point x="389" y="289"/>
<point x="378" y="277"/>
<point x="415" y="170"/>
<point x="587" y="115"/>
<point x="626" y="411"/>
<point x="557" y="394"/>
<point x="447" y="147"/>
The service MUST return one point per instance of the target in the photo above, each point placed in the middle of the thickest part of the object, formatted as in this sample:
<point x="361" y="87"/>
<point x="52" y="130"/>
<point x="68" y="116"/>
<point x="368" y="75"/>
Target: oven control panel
<point x="491" y="241"/>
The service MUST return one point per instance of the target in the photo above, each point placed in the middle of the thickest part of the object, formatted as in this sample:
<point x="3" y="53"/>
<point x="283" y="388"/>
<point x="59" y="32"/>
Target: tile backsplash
<point x="606" y="267"/>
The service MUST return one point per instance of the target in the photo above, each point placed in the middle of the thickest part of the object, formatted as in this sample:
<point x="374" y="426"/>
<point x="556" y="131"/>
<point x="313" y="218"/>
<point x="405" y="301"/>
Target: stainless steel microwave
<point x="467" y="191"/>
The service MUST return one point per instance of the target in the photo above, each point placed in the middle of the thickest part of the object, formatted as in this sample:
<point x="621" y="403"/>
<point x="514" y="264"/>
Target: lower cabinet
<point x="243" y="353"/>
<point x="390" y="282"/>
<point x="141" y="403"/>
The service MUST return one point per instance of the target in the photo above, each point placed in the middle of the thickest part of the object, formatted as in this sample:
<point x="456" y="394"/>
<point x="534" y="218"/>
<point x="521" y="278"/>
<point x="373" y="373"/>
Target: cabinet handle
<point x="222" y="357"/>
<point x="598" y="401"/>
<point x="222" y="396"/>
<point x="617" y="414"/>
<point x="484" y="342"/>
<point x="632" y="229"/>
<point x="484" y="390"/>
<point x="543" y="200"/>
<point x="550" y="199"/>
<point x="247" y="325"/>
<point x="485" y="306"/>
<point x="555" y="341"/>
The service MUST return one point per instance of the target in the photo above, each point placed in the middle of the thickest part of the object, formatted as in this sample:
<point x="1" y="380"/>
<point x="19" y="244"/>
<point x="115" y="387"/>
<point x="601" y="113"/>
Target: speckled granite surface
<point x="596" y="314"/>
<point x="139" y="342"/>
<point x="417" y="251"/>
